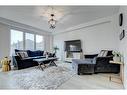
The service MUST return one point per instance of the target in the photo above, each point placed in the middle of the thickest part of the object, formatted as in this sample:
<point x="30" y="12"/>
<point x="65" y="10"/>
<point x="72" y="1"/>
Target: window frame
<point x="24" y="38"/>
<point x="43" y="43"/>
<point x="11" y="53"/>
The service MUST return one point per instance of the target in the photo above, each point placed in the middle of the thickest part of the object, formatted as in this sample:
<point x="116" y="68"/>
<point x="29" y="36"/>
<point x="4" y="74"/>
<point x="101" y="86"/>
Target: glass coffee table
<point x="42" y="61"/>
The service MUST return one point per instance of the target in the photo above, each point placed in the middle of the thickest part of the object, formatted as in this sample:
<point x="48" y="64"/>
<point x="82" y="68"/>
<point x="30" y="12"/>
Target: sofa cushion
<point x="38" y="53"/>
<point x="16" y="50"/>
<point x="82" y="61"/>
<point x="110" y="53"/>
<point x="35" y="53"/>
<point x="37" y="57"/>
<point x="31" y="53"/>
<point x="90" y="56"/>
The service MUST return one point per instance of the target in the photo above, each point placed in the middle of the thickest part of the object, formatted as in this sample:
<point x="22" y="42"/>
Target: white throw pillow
<point x="22" y="55"/>
<point x="101" y="53"/>
<point x="25" y="55"/>
<point x="105" y="53"/>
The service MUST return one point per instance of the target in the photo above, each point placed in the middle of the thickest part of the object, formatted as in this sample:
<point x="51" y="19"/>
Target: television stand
<point x="72" y="55"/>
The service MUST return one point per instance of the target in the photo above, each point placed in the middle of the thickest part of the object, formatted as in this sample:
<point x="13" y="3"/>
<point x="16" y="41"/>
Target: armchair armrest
<point x="90" y="55"/>
<point x="21" y="63"/>
<point x="15" y="60"/>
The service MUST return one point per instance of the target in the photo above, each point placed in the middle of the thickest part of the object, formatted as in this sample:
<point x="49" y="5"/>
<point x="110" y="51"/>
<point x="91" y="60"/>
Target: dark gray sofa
<point x="102" y="64"/>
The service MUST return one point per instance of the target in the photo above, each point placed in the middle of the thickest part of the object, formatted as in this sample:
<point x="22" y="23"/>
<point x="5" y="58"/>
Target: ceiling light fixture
<point x="52" y="15"/>
<point x="52" y="22"/>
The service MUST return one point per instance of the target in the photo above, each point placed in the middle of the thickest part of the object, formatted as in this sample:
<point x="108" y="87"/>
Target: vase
<point x="6" y="64"/>
<point x="122" y="59"/>
<point x="46" y="56"/>
<point x="116" y="59"/>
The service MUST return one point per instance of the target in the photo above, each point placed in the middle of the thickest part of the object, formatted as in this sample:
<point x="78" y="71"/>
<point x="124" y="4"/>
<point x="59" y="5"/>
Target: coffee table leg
<point x="39" y="65"/>
<point x="110" y="78"/>
<point x="52" y="62"/>
<point x="44" y="65"/>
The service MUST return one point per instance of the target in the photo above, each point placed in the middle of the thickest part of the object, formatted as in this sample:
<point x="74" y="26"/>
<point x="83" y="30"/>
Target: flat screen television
<point x="73" y="46"/>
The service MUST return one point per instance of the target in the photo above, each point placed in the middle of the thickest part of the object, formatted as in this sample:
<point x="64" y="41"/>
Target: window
<point x="16" y="40"/>
<point x="29" y="41"/>
<point x="39" y="42"/>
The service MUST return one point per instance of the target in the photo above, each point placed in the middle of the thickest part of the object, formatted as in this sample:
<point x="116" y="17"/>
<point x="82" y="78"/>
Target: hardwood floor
<point x="95" y="81"/>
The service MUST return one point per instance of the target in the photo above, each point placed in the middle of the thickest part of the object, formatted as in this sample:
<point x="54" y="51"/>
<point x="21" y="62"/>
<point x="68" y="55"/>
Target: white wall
<point x="23" y="27"/>
<point x="95" y="36"/>
<point x="4" y="41"/>
<point x="49" y="43"/>
<point x="123" y="42"/>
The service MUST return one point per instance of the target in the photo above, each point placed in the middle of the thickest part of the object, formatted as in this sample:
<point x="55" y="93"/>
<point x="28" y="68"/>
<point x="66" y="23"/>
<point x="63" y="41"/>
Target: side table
<point x="6" y="64"/>
<point x="121" y="71"/>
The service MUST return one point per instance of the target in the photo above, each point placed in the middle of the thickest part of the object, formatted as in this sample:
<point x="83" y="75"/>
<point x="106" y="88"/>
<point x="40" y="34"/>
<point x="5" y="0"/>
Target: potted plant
<point x="116" y="56"/>
<point x="55" y="49"/>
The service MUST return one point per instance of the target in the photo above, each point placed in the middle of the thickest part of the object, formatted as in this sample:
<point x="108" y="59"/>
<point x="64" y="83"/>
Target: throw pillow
<point x="22" y="55"/>
<point x="25" y="55"/>
<point x="101" y="53"/>
<point x="105" y="53"/>
<point x="18" y="54"/>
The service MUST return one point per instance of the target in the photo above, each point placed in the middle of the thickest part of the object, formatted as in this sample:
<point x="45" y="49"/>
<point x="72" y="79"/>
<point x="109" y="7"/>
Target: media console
<point x="72" y="50"/>
<point x="68" y="56"/>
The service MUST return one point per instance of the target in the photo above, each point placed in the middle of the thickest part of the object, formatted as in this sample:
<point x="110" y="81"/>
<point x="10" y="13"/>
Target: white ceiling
<point x="73" y="15"/>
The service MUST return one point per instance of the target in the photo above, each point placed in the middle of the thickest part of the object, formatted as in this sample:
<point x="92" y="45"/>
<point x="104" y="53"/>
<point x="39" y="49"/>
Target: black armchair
<point x="102" y="64"/>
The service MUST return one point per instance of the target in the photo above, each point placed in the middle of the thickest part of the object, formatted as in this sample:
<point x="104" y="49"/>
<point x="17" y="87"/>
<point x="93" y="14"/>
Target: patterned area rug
<point x="34" y="78"/>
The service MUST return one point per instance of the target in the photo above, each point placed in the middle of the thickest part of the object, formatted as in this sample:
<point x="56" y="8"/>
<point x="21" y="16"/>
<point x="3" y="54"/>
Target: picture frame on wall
<point x="120" y="19"/>
<point x="122" y="35"/>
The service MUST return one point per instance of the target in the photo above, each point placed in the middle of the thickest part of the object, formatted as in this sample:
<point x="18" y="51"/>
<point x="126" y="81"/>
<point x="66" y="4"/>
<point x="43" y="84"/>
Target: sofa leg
<point x="79" y="73"/>
<point x="116" y="73"/>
